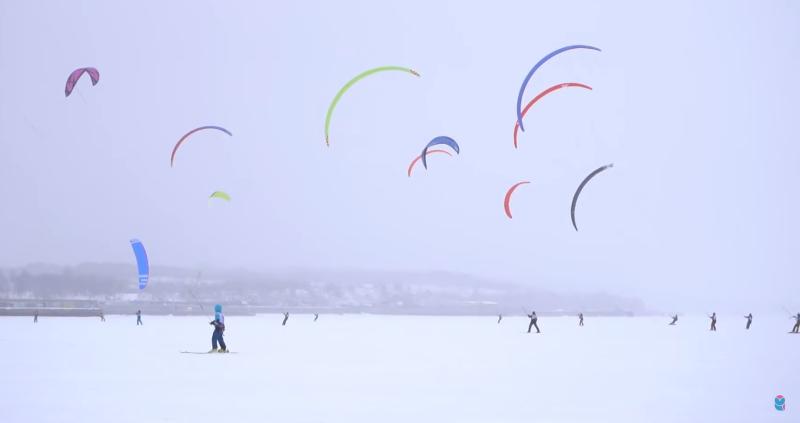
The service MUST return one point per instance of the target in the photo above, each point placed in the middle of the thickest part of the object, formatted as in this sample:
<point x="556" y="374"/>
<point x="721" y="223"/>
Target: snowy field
<point x="363" y="368"/>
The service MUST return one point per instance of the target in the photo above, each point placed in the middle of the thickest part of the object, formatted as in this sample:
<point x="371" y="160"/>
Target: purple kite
<point x="76" y="75"/>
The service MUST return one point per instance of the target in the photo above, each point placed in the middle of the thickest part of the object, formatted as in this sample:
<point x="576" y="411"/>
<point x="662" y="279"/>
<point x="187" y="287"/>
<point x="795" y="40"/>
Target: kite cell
<point x="539" y="96"/>
<point x="509" y="193"/>
<point x="349" y="84"/>
<point x="533" y="70"/>
<point x="76" y="75"/>
<point x="141" y="262"/>
<point x="183" y="138"/>
<point x="416" y="159"/>
<point x="580" y="188"/>
<point x="221" y="195"/>
<point x="438" y="141"/>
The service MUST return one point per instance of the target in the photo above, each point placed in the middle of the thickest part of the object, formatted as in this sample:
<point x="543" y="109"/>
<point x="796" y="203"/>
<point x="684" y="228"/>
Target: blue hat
<point x="218" y="308"/>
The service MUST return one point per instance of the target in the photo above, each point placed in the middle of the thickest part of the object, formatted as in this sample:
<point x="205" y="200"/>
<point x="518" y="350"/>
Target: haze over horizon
<point x="690" y="101"/>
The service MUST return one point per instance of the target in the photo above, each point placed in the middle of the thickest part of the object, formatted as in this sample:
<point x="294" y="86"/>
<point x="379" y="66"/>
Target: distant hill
<point x="178" y="290"/>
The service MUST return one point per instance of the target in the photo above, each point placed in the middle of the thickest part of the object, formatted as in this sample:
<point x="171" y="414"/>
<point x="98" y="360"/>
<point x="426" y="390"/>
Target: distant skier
<point x="499" y="318"/>
<point x="796" y="328"/>
<point x="36" y="316"/>
<point x="749" y="318"/>
<point x="713" y="318"/>
<point x="316" y="316"/>
<point x="534" y="319"/>
<point x="580" y="317"/>
<point x="285" y="318"/>
<point x="674" y="320"/>
<point x="219" y="330"/>
<point x="139" y="318"/>
<point x="102" y="316"/>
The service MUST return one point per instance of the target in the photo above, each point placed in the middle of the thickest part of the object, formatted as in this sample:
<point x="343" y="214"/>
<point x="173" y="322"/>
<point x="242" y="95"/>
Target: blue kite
<point x="141" y="262"/>
<point x="439" y="141"/>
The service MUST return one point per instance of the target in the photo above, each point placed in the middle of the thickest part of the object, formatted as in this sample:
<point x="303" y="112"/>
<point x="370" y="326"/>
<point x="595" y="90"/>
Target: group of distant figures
<point x="533" y="323"/>
<point x="140" y="323"/>
<point x="713" y="316"/>
<point x="286" y="318"/>
<point x="749" y="317"/>
<point x="101" y="315"/>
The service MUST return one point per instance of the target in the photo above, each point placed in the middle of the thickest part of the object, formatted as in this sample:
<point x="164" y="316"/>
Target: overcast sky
<point x="694" y="103"/>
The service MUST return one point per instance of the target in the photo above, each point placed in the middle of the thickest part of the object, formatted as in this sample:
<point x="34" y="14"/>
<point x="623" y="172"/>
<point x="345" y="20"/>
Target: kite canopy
<point x="580" y="188"/>
<point x="141" y="262"/>
<point x="533" y="70"/>
<point x="76" y="75"/>
<point x="221" y="195"/>
<point x="539" y="96"/>
<point x="183" y="138"/>
<point x="441" y="140"/>
<point x="509" y="193"/>
<point x="429" y="152"/>
<point x="352" y="82"/>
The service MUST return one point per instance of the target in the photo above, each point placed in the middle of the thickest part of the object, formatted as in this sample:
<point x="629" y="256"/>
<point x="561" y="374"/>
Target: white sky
<point x="694" y="102"/>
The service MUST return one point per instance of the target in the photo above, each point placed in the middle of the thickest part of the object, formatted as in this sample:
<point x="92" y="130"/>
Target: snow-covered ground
<point x="362" y="368"/>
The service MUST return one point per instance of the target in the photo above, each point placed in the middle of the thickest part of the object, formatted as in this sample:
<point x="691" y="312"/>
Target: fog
<point x="693" y="102"/>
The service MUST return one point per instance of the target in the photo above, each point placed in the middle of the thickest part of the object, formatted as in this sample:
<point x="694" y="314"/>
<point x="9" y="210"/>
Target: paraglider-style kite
<point x="416" y="159"/>
<point x="539" y="96"/>
<point x="438" y="141"/>
<point x="76" y="75"/>
<point x="141" y="262"/>
<point x="507" y="201"/>
<point x="183" y="138"/>
<point x="580" y="188"/>
<point x="221" y="195"/>
<point x="349" y="84"/>
<point x="533" y="70"/>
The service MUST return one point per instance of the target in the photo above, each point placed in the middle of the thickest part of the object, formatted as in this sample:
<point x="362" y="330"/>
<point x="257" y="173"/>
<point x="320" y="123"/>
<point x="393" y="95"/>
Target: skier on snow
<point x="534" y="319"/>
<point x="219" y="330"/>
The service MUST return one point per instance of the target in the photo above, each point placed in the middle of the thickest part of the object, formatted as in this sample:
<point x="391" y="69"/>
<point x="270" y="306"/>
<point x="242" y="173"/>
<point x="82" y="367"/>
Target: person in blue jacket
<point x="219" y="330"/>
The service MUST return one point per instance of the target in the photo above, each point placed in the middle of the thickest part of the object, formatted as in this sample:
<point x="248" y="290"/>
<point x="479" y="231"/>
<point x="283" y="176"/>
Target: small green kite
<point x="221" y="195"/>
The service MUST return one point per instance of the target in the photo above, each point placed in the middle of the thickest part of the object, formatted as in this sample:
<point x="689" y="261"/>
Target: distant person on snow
<point x="219" y="330"/>
<point x="102" y="316"/>
<point x="749" y="318"/>
<point x="316" y="316"/>
<point x="713" y="318"/>
<point x="285" y="318"/>
<point x="674" y="320"/>
<point x="533" y="322"/>
<point x="36" y="316"/>
<point x="796" y="328"/>
<point x="499" y="318"/>
<point x="580" y="322"/>
<point x="139" y="317"/>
